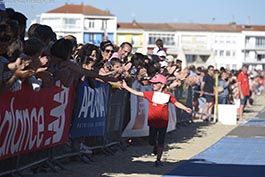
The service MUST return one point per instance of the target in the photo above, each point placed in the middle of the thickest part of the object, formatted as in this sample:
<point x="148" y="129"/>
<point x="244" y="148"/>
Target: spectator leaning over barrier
<point x="158" y="112"/>
<point x="207" y="90"/>
<point x="34" y="50"/>
<point x="45" y="34"/>
<point x="11" y="72"/>
<point x="88" y="56"/>
<point x="74" y="44"/>
<point x="67" y="70"/>
<point x="123" y="52"/>
<point x="142" y="75"/>
<point x="112" y="68"/>
<point x="22" y="22"/>
<point x="31" y="30"/>
<point x="138" y="60"/>
<point x="171" y="66"/>
<point x="77" y="50"/>
<point x="244" y="90"/>
<point x="107" y="49"/>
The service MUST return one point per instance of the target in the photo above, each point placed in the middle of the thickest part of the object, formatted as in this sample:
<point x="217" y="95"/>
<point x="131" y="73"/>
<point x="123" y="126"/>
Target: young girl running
<point x="158" y="112"/>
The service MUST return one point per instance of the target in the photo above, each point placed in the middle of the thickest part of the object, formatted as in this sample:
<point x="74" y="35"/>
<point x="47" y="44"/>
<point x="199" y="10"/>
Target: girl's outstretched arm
<point x="129" y="89"/>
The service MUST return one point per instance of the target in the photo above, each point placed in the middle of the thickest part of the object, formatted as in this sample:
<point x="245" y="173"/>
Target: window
<point x="260" y="57"/>
<point x="71" y="22"/>
<point x="91" y="38"/>
<point x="247" y="54"/>
<point x="89" y="24"/>
<point x="215" y="52"/>
<point x="136" y="40"/>
<point x="222" y="53"/>
<point x="104" y="24"/>
<point x="228" y="53"/>
<point x="247" y="40"/>
<point x="54" y="22"/>
<point x="186" y="39"/>
<point x="190" y="58"/>
<point x="201" y="39"/>
<point x="260" y="41"/>
<point x="168" y="39"/>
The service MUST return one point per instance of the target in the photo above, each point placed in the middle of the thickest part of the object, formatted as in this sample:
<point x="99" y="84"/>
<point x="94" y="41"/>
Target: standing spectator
<point x="207" y="90"/>
<point x="158" y="112"/>
<point x="159" y="46"/>
<point x="244" y="91"/>
<point x="224" y="83"/>
<point x="162" y="55"/>
<point x="260" y="84"/>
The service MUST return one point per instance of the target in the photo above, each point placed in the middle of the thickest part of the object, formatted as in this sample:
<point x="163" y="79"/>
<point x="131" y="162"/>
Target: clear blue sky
<point x="176" y="11"/>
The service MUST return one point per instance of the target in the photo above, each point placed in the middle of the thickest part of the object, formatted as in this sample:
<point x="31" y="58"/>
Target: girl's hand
<point x="124" y="84"/>
<point x="188" y="110"/>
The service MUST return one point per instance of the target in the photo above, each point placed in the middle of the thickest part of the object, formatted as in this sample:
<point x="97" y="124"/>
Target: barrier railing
<point x="54" y="121"/>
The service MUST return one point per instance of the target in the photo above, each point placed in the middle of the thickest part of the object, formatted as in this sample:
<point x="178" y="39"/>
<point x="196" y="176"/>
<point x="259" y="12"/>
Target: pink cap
<point x="159" y="78"/>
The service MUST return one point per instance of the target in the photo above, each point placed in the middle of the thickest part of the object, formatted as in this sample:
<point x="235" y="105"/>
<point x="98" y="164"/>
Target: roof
<point x="80" y="9"/>
<point x="190" y="27"/>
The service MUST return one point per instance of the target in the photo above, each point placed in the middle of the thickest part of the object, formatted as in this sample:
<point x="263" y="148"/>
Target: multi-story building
<point x="86" y="23"/>
<point x="253" y="52"/>
<point x="229" y="45"/>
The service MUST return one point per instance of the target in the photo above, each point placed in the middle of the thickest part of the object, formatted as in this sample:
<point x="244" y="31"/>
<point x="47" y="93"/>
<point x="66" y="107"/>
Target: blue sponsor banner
<point x="91" y="111"/>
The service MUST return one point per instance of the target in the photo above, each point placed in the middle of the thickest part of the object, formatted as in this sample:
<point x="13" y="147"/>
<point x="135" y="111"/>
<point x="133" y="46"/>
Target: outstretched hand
<point x="117" y="84"/>
<point x="124" y="84"/>
<point x="188" y="110"/>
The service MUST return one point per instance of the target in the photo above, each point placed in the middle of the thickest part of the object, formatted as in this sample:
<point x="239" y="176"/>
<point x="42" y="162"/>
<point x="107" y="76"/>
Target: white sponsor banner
<point x="137" y="127"/>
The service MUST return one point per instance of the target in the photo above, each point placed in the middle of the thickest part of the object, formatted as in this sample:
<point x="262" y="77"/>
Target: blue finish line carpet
<point x="240" y="154"/>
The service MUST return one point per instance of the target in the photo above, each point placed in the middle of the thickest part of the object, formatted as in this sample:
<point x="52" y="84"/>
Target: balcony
<point x="254" y="47"/>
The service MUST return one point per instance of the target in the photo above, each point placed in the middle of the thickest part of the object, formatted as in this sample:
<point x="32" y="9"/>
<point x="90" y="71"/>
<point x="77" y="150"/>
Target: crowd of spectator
<point x="41" y="59"/>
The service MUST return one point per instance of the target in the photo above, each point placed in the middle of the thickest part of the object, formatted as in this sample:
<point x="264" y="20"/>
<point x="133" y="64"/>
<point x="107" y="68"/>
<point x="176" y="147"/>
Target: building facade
<point x="229" y="45"/>
<point x="88" y="24"/>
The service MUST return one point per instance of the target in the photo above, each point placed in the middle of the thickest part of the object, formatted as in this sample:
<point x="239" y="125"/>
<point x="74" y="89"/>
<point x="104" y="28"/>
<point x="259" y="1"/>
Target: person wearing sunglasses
<point x="107" y="49"/>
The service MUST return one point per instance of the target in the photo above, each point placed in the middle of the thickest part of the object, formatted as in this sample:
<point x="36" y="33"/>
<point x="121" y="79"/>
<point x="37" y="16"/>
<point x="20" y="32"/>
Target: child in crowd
<point x="112" y="68"/>
<point x="158" y="112"/>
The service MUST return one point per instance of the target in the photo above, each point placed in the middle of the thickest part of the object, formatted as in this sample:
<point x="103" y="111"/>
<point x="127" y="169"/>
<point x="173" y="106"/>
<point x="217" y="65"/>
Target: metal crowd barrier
<point x="117" y="116"/>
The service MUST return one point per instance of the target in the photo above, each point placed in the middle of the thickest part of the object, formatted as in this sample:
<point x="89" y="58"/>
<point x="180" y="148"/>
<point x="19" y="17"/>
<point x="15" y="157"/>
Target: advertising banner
<point x="91" y="111"/>
<point x="137" y="127"/>
<point x="32" y="121"/>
